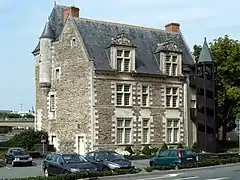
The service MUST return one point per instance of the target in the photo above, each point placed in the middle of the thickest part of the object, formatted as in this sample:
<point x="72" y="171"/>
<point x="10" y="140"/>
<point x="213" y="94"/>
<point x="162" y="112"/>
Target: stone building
<point x="108" y="85"/>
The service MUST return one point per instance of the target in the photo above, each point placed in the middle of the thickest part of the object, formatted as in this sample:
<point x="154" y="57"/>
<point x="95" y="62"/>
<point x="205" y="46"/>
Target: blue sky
<point x="22" y="23"/>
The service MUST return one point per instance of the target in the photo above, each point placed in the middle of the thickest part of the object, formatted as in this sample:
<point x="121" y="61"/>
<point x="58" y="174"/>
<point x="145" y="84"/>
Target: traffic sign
<point x="237" y="129"/>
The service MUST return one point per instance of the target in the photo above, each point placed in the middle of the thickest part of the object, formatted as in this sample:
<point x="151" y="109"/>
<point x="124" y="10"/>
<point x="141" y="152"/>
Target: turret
<point x="45" y="66"/>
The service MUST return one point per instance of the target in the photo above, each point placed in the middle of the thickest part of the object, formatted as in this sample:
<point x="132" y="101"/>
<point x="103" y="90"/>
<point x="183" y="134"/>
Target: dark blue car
<point x="109" y="160"/>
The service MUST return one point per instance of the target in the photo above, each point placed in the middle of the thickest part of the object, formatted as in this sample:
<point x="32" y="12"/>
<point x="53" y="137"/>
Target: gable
<point x="97" y="35"/>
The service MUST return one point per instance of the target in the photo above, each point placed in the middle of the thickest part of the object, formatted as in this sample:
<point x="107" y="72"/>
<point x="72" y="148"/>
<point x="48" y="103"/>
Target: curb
<point x="167" y="171"/>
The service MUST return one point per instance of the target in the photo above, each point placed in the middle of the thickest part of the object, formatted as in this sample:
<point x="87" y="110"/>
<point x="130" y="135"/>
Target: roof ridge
<point x="128" y="25"/>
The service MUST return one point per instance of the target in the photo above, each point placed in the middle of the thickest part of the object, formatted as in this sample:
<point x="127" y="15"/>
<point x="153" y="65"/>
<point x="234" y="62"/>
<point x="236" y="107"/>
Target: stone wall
<point x="71" y="88"/>
<point x="106" y="111"/>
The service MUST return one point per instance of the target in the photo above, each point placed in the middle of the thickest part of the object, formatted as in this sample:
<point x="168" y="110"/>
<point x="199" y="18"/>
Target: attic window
<point x="73" y="42"/>
<point x="171" y="65"/>
<point x="123" y="60"/>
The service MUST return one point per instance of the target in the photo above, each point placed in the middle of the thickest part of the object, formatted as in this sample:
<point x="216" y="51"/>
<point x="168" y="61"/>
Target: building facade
<point x="108" y="85"/>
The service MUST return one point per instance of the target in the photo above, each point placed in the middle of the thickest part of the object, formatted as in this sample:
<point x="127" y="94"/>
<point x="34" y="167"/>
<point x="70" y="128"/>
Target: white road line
<point x="164" y="176"/>
<point x="192" y="177"/>
<point x="222" y="178"/>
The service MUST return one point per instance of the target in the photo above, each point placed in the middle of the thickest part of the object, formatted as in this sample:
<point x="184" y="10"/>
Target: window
<point x="209" y="94"/>
<point x="209" y="112"/>
<point x="200" y="91"/>
<point x="73" y="42"/>
<point x="123" y="94"/>
<point x="52" y="103"/>
<point x="145" y="131"/>
<point x="172" y="97"/>
<point x="124" y="130"/>
<point x="123" y="60"/>
<point x="173" y="130"/>
<point x="145" y="95"/>
<point x="57" y="73"/>
<point x="201" y="109"/>
<point x="171" y="65"/>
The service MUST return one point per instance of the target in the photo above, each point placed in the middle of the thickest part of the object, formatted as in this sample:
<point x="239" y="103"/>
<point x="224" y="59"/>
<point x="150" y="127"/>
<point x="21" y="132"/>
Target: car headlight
<point x="30" y="158"/>
<point x="113" y="165"/>
<point x="74" y="170"/>
<point x="16" y="159"/>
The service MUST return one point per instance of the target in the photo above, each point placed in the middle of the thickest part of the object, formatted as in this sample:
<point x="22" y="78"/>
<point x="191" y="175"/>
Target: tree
<point x="226" y="55"/>
<point x="196" y="51"/>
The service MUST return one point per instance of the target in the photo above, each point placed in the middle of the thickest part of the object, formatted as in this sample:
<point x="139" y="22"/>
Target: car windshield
<point x="113" y="155"/>
<point x="73" y="158"/>
<point x="18" y="152"/>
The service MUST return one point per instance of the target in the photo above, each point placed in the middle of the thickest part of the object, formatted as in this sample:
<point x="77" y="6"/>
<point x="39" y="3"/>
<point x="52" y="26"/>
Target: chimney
<point x="172" y="27"/>
<point x="73" y="11"/>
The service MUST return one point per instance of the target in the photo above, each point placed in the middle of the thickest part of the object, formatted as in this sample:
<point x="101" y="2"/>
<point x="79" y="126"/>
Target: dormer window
<point x="170" y="58"/>
<point x="172" y="65"/>
<point x="122" y="54"/>
<point x="123" y="60"/>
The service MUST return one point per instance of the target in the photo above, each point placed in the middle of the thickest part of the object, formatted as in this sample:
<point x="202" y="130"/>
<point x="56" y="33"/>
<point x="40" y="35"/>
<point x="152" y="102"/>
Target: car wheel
<point x="152" y="164"/>
<point x="65" y="172"/>
<point x="106" y="169"/>
<point x="13" y="164"/>
<point x="46" y="173"/>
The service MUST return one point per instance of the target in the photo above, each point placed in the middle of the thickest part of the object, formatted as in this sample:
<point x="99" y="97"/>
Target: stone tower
<point x="45" y="64"/>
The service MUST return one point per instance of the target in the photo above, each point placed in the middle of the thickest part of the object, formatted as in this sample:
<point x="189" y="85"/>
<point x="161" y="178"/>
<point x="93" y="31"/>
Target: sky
<point x="23" y="21"/>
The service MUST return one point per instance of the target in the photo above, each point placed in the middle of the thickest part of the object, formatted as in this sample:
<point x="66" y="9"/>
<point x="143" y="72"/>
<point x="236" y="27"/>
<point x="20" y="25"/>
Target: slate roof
<point x="205" y="54"/>
<point x="47" y="31"/>
<point x="97" y="35"/>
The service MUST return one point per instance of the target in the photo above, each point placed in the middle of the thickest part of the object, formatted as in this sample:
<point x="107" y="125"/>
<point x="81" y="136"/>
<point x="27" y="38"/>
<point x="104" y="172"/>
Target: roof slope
<point x="205" y="54"/>
<point x="96" y="36"/>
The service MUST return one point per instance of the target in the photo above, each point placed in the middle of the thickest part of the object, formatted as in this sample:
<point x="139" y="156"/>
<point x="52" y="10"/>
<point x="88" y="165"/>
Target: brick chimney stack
<point x="172" y="27"/>
<point x="73" y="11"/>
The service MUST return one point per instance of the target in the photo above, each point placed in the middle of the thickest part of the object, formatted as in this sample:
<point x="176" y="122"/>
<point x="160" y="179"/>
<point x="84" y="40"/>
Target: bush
<point x="180" y="146"/>
<point x="76" y="176"/>
<point x="195" y="148"/>
<point x="129" y="149"/>
<point x="26" y="139"/>
<point x="202" y="163"/>
<point x="146" y="150"/>
<point x="164" y="147"/>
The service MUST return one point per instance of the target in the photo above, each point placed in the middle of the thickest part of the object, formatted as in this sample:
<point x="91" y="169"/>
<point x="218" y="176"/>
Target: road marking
<point x="164" y="176"/>
<point x="7" y="167"/>
<point x="192" y="177"/>
<point x="222" y="178"/>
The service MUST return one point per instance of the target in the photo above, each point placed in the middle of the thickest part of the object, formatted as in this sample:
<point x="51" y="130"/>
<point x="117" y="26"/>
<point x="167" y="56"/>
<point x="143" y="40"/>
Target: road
<point x="231" y="172"/>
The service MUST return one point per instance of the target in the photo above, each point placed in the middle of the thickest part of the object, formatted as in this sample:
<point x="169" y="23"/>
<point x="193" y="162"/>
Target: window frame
<point x="124" y="58"/>
<point x="169" y="61"/>
<point x="172" y="95"/>
<point x="145" y="93"/>
<point x="123" y="128"/>
<point x="123" y="93"/>
<point x="148" y="127"/>
<point x="172" y="127"/>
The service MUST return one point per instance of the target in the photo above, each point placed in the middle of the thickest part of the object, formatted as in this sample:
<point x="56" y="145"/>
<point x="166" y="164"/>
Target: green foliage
<point x="226" y="54"/>
<point x="26" y="139"/>
<point x="7" y="115"/>
<point x="179" y="146"/>
<point x="202" y="163"/>
<point x="146" y="150"/>
<point x="129" y="149"/>
<point x="164" y="147"/>
<point x="196" y="51"/>
<point x="195" y="148"/>
<point x="76" y="176"/>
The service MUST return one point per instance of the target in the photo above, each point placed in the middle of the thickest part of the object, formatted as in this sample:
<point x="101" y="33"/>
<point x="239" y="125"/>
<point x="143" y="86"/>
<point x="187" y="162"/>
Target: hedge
<point x="77" y="176"/>
<point x="202" y="163"/>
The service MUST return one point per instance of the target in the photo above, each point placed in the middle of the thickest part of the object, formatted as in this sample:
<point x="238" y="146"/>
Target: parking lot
<point x="35" y="170"/>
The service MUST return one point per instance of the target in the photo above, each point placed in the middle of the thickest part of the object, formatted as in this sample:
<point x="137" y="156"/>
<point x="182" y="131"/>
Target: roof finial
<point x="54" y="2"/>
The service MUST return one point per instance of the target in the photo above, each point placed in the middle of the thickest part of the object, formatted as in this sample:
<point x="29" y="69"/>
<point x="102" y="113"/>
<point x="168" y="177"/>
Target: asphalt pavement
<point x="227" y="172"/>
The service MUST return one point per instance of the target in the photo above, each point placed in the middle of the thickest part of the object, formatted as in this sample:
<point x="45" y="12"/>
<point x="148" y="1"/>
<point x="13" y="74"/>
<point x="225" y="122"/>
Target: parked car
<point x="108" y="160"/>
<point x="173" y="157"/>
<point x="17" y="156"/>
<point x="57" y="163"/>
